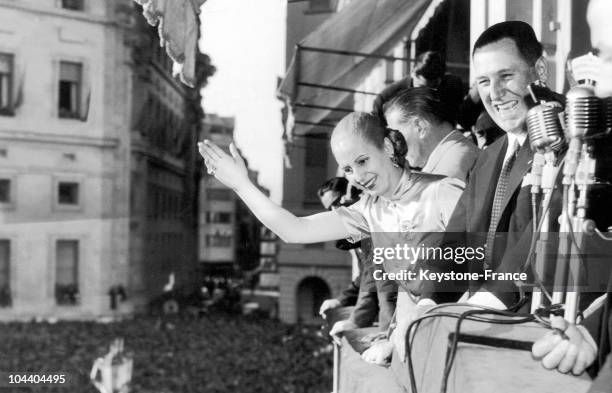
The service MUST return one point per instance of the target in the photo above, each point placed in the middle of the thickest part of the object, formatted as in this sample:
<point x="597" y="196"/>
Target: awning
<point x="329" y="55"/>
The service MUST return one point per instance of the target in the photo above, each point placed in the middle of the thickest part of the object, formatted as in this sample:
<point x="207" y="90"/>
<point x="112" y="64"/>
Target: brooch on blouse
<point x="407" y="228"/>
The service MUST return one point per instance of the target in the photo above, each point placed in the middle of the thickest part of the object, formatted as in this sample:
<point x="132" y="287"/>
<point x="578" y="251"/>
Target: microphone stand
<point x="564" y="248"/>
<point x="549" y="173"/>
<point x="585" y="177"/>
<point x="544" y="126"/>
<point x="583" y="111"/>
<point x="536" y="186"/>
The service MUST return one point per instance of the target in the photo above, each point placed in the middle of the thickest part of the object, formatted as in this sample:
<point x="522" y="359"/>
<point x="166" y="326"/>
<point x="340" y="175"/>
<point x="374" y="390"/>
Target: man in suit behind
<point x="428" y="125"/>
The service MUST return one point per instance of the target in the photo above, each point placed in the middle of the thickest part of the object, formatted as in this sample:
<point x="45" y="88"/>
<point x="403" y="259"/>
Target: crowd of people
<point x="196" y="355"/>
<point x="425" y="182"/>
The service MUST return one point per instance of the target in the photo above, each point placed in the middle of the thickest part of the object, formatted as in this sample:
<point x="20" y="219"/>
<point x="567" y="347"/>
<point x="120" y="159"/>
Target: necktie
<point x="500" y="193"/>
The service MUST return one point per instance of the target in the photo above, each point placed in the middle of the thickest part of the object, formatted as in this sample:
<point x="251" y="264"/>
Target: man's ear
<point x="541" y="68"/>
<point x="422" y="126"/>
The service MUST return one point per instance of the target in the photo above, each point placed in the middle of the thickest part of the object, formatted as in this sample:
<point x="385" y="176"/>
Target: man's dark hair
<point x="335" y="184"/>
<point x="520" y="32"/>
<point x="421" y="102"/>
<point x="429" y="65"/>
<point x="338" y="185"/>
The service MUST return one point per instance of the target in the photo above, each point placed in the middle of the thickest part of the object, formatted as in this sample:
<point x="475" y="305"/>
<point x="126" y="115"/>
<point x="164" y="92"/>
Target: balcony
<point x="477" y="357"/>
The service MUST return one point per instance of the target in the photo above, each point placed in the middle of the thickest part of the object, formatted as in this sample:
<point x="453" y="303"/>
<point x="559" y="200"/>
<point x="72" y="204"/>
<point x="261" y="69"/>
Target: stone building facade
<point x="97" y="152"/>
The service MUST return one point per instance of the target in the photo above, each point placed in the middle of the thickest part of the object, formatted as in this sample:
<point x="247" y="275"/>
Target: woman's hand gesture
<point x="229" y="170"/>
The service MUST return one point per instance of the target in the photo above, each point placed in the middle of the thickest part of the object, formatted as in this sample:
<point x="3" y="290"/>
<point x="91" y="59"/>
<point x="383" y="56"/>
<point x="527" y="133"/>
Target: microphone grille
<point x="583" y="111"/>
<point x="544" y="128"/>
<point x="607" y="114"/>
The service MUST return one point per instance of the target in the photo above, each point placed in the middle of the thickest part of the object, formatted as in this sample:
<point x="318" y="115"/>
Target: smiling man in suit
<point x="495" y="208"/>
<point x="507" y="58"/>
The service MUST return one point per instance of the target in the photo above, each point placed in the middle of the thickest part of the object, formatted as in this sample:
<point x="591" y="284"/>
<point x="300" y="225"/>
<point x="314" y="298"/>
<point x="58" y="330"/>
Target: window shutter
<point x="6" y="64"/>
<point x="18" y="90"/>
<point x="70" y="71"/>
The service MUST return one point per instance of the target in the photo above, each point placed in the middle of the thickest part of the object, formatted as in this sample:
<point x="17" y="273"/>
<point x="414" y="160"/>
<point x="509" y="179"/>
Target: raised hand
<point x="229" y="170"/>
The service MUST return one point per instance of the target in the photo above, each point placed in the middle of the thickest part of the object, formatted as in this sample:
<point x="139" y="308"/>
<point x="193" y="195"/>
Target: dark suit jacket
<point x="594" y="253"/>
<point x="376" y="298"/>
<point x="603" y="381"/>
<point x="599" y="325"/>
<point x="349" y="296"/>
<point x="469" y="223"/>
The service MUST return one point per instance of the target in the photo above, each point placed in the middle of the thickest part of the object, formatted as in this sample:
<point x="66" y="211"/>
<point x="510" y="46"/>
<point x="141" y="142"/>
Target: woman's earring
<point x="394" y="161"/>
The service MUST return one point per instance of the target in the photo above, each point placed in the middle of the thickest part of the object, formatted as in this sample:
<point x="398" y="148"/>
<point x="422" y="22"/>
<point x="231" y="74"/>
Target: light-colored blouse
<point x="421" y="203"/>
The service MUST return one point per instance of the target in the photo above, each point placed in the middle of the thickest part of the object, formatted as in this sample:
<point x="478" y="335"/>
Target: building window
<point x="70" y="85"/>
<point x="268" y="264"/>
<point x="219" y="239"/>
<point x="267" y="248"/>
<point x="5" y="190"/>
<point x="219" y="217"/>
<point x="67" y="272"/>
<point x="219" y="194"/>
<point x="316" y="153"/>
<point x="316" y="168"/>
<point x="68" y="193"/>
<point x="6" y="84"/>
<point x="75" y="5"/>
<point x="5" y="273"/>
<point x="319" y="6"/>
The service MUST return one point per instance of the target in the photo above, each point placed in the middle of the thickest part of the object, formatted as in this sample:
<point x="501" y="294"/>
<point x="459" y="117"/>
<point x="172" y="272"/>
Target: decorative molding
<point x="163" y="159"/>
<point x="68" y="35"/>
<point x="35" y="137"/>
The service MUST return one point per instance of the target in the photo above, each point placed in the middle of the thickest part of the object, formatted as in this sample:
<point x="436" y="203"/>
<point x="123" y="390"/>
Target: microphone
<point x="584" y="122"/>
<point x="546" y="137"/>
<point x="607" y="114"/>
<point x="584" y="118"/>
<point x="544" y="128"/>
<point x="583" y="112"/>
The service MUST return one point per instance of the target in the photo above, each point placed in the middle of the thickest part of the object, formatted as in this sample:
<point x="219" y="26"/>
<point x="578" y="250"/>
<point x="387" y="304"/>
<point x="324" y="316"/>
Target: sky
<point x="246" y="41"/>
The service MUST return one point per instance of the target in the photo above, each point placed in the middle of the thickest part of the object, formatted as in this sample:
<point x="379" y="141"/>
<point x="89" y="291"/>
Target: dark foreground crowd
<point x="217" y="353"/>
